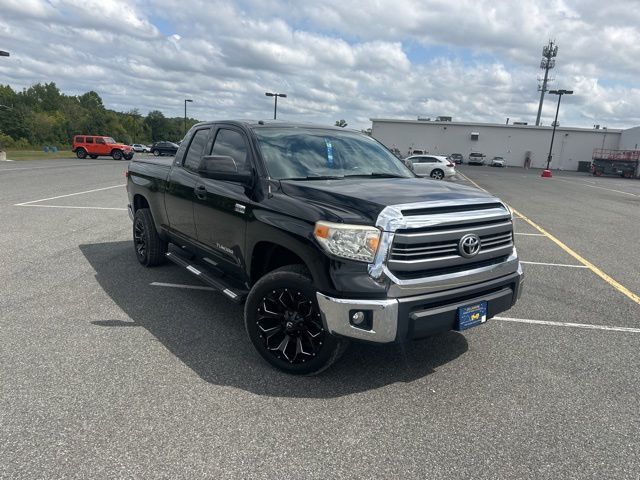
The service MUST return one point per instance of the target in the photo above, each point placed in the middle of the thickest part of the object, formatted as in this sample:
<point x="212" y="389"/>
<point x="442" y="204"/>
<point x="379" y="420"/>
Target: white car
<point x="434" y="166"/>
<point x="498" y="162"/>
<point x="137" y="147"/>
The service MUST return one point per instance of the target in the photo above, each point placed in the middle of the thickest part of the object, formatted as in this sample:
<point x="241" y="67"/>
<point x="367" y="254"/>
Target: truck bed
<point x="163" y="161"/>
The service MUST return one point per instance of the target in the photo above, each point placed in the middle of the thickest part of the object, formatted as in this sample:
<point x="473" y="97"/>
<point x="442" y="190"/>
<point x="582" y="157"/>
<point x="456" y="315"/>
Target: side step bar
<point x="237" y="296"/>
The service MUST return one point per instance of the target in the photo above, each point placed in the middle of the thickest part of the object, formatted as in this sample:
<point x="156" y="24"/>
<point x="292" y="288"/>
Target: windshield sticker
<point x="329" y="153"/>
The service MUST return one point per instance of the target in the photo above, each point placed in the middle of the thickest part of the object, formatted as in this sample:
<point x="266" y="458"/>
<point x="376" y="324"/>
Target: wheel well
<point x="139" y="202"/>
<point x="268" y="256"/>
<point x="115" y="150"/>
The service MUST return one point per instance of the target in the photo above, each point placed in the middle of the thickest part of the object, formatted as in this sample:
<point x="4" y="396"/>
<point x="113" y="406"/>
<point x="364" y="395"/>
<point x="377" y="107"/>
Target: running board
<point x="237" y="296"/>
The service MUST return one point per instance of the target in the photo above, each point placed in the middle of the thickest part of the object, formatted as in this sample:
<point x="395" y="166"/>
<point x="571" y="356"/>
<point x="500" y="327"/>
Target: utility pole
<point x="186" y="100"/>
<point x="555" y="122"/>
<point x="549" y="52"/>
<point x="275" y="105"/>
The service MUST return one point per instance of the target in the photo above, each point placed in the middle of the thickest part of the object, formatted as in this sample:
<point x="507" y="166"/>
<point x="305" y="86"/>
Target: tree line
<point x="42" y="115"/>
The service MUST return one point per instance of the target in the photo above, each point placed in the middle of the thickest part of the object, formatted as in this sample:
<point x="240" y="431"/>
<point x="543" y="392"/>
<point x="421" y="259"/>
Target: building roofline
<point x="502" y="125"/>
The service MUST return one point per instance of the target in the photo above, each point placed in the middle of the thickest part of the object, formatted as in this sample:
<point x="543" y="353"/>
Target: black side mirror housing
<point x="224" y="167"/>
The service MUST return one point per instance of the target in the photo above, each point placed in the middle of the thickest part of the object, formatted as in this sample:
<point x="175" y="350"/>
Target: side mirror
<point x="223" y="167"/>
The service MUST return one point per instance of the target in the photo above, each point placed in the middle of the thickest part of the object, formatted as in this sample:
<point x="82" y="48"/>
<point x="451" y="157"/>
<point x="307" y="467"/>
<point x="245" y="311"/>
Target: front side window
<point x="100" y="140"/>
<point x="196" y="150"/>
<point x="231" y="143"/>
<point x="305" y="153"/>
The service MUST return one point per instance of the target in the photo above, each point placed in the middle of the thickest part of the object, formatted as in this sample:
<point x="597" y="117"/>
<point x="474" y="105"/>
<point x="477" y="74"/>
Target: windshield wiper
<point x="377" y="174"/>
<point x="317" y="177"/>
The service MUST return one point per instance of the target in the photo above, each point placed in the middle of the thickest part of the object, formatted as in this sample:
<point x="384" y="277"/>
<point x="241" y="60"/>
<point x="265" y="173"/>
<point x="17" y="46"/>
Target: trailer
<point x="615" y="162"/>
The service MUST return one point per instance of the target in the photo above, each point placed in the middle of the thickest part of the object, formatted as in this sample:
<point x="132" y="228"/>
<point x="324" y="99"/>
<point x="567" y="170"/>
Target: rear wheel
<point x="81" y="153"/>
<point x="437" y="174"/>
<point x="150" y="248"/>
<point x="116" y="154"/>
<point x="156" y="152"/>
<point x="283" y="322"/>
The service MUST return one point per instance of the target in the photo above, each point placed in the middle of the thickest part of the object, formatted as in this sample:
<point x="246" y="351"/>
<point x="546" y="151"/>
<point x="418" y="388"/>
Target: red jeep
<point x="98" y="146"/>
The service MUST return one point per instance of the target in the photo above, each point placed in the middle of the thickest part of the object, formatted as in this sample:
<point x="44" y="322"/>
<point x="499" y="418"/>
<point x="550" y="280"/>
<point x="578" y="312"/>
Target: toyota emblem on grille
<point x="469" y="245"/>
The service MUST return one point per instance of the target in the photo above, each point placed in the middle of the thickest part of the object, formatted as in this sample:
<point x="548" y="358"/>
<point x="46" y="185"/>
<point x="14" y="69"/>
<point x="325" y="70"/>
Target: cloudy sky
<point x="474" y="60"/>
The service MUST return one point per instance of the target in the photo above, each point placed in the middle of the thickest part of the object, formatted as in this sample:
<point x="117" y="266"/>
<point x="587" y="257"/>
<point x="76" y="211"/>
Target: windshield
<point x="109" y="140"/>
<point x="311" y="153"/>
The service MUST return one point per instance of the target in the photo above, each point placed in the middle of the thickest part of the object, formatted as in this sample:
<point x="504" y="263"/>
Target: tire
<point x="282" y="306"/>
<point x="437" y="174"/>
<point x="116" y="154"/>
<point x="81" y="153"/>
<point x="129" y="156"/>
<point x="94" y="156"/>
<point x="156" y="152"/>
<point x="149" y="247"/>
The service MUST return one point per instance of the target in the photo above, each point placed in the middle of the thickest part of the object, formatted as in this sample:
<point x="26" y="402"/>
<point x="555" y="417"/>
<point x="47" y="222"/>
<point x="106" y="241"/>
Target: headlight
<point x="355" y="242"/>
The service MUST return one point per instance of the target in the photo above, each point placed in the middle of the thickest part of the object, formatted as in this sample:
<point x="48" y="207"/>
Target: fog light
<point x="362" y="319"/>
<point x="357" y="318"/>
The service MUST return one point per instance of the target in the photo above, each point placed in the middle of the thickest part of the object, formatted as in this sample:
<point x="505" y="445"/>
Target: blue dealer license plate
<point x="471" y="315"/>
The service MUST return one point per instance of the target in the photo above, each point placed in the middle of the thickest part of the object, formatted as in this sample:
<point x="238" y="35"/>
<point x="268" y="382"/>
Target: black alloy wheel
<point x="283" y="321"/>
<point x="150" y="248"/>
<point x="139" y="239"/>
<point x="289" y="325"/>
<point x="116" y="154"/>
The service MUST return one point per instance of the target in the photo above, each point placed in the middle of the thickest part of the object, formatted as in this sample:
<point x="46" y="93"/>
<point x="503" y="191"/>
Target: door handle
<point x="201" y="192"/>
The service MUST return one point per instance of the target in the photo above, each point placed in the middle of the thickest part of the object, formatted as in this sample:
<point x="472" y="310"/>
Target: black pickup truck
<point x="325" y="236"/>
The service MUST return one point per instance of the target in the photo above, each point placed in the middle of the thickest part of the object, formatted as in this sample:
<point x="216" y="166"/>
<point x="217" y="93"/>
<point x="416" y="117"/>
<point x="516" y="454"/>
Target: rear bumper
<point x="403" y="319"/>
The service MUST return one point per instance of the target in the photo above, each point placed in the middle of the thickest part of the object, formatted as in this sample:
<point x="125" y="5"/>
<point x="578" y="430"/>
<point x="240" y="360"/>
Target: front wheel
<point x="437" y="174"/>
<point x="116" y="154"/>
<point x="150" y="248"/>
<point x="282" y="319"/>
<point x="128" y="156"/>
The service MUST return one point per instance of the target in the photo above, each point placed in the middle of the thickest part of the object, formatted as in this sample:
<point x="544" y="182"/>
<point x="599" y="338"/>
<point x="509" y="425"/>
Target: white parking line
<point x="569" y="324"/>
<point x="529" y="234"/>
<point x="595" y="186"/>
<point x="553" y="264"/>
<point x="67" y="195"/>
<point x="71" y="206"/>
<point x="177" y="285"/>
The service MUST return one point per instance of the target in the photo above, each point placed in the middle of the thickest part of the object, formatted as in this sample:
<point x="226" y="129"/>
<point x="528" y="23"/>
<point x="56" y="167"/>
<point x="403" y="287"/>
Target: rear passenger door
<point x="222" y="207"/>
<point x="181" y="186"/>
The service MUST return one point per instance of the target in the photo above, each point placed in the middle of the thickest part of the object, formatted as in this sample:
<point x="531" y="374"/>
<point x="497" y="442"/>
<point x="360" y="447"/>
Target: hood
<point x="364" y="198"/>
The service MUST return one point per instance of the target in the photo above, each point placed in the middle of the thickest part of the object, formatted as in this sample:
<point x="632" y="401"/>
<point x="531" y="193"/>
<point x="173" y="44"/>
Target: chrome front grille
<point x="435" y="247"/>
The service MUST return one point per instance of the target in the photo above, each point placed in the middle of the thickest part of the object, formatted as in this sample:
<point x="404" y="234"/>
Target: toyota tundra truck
<point x="324" y="236"/>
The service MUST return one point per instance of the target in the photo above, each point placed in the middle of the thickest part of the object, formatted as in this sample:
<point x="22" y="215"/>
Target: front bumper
<point x="402" y="319"/>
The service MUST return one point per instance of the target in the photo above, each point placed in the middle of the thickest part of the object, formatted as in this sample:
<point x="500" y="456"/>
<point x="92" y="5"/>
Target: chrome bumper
<point x="337" y="311"/>
<point x="390" y="316"/>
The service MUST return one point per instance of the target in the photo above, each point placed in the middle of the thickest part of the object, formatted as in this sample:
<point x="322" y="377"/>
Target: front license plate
<point x="471" y="315"/>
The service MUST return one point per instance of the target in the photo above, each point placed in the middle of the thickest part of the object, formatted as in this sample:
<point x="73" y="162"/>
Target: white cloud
<point x="475" y="60"/>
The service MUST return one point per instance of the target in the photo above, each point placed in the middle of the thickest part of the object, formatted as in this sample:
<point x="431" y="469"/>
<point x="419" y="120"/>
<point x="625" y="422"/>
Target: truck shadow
<point x="206" y="332"/>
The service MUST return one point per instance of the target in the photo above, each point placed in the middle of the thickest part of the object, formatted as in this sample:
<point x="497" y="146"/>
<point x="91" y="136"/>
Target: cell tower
<point x="549" y="53"/>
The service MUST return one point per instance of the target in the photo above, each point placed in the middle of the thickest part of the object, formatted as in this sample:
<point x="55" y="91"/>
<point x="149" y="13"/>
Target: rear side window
<point x="89" y="140"/>
<point x="196" y="149"/>
<point x="231" y="143"/>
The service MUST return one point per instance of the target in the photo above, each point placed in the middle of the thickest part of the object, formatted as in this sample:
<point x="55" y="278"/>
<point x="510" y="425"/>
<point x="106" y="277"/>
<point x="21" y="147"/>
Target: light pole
<point x="555" y="122"/>
<point x="275" y="106"/>
<point x="185" y="113"/>
<point x="4" y="54"/>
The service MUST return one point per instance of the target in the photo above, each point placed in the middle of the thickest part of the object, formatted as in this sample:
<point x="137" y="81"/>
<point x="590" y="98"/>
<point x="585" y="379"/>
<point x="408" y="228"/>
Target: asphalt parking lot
<point x="108" y="371"/>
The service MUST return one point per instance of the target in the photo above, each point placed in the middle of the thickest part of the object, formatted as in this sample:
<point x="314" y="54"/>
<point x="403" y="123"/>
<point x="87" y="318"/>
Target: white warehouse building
<point x="571" y="145"/>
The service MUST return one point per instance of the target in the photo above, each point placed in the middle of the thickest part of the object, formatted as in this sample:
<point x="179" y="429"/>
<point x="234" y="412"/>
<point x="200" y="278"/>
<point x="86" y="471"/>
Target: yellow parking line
<point x="614" y="283"/>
